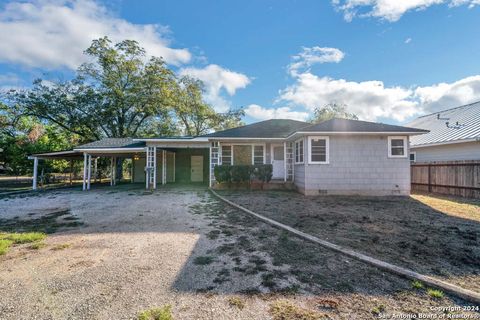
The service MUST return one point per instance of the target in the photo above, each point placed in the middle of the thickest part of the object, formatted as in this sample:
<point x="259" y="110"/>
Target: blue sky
<point x="387" y="60"/>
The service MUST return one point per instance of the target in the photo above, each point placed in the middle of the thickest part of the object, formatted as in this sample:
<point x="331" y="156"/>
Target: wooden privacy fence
<point x="460" y="178"/>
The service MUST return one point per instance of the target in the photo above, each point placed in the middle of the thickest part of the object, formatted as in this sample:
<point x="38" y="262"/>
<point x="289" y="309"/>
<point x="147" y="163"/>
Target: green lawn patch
<point x="8" y="239"/>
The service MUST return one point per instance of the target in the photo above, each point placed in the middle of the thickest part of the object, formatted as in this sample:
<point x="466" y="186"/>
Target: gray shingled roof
<point x="467" y="116"/>
<point x="109" y="143"/>
<point x="274" y="128"/>
<point x="346" y="125"/>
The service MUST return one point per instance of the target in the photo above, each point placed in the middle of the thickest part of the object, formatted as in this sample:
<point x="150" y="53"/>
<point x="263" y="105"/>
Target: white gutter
<point x="199" y="140"/>
<point x="111" y="150"/>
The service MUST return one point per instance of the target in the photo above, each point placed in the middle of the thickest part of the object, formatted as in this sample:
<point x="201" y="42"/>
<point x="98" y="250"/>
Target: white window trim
<point x="405" y="146"/>
<point x="295" y="151"/>
<point x="414" y="156"/>
<point x="327" y="149"/>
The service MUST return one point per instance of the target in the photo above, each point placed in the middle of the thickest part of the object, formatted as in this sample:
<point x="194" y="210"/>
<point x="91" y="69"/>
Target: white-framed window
<point x="318" y="148"/>
<point x="227" y="154"/>
<point x="397" y="147"/>
<point x="299" y="149"/>
<point x="258" y="154"/>
<point x="413" y="156"/>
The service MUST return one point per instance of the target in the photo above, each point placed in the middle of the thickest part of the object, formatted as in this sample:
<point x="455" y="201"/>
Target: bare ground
<point x="113" y="252"/>
<point x="437" y="236"/>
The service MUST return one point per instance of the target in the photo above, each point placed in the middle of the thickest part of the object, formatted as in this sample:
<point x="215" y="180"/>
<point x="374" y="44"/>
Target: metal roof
<point x="109" y="143"/>
<point x="273" y="128"/>
<point x="463" y="125"/>
<point x="337" y="125"/>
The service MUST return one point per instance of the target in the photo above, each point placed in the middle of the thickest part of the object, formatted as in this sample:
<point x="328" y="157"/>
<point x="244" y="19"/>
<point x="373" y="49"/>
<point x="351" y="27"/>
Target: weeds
<point x="37" y="246"/>
<point x="163" y="313"/>
<point x="437" y="294"/>
<point x="417" y="284"/>
<point x="203" y="260"/>
<point x="4" y="246"/>
<point x="236" y="302"/>
<point x="284" y="310"/>
<point x="61" y="246"/>
<point x="379" y="309"/>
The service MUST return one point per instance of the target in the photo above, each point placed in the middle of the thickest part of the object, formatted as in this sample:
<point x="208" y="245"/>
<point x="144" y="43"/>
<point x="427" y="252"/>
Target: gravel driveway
<point x="128" y="251"/>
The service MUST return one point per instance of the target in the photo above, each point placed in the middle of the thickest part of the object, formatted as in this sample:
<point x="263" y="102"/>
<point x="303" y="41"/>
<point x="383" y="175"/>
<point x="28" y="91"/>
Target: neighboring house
<point x="454" y="135"/>
<point x="337" y="156"/>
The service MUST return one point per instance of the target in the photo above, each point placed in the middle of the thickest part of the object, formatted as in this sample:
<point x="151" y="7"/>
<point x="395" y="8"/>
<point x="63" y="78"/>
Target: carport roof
<point x="110" y="143"/>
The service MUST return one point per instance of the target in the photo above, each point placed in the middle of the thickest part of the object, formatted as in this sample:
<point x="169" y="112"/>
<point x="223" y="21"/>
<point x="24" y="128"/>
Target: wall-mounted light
<point x="136" y="157"/>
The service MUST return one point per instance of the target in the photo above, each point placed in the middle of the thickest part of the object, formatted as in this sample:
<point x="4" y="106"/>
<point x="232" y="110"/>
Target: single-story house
<point x="454" y="135"/>
<point x="337" y="156"/>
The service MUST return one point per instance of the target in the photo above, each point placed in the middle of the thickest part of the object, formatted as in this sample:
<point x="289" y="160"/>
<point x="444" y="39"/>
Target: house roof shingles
<point x="346" y="125"/>
<point x="467" y="116"/>
<point x="110" y="143"/>
<point x="274" y="128"/>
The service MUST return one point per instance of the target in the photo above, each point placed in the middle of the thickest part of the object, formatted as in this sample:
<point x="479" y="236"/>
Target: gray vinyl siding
<point x="449" y="152"/>
<point x="358" y="165"/>
<point x="299" y="176"/>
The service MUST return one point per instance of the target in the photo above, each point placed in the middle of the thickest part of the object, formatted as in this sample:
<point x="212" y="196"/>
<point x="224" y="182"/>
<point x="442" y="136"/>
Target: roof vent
<point x="457" y="125"/>
<point x="440" y="118"/>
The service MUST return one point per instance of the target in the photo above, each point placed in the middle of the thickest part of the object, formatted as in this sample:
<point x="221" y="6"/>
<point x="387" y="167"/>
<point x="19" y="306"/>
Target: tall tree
<point x="196" y="116"/>
<point x="330" y="111"/>
<point x="116" y="95"/>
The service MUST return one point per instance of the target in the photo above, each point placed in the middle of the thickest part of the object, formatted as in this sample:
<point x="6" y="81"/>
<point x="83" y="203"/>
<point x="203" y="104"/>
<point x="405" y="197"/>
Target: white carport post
<point x="85" y="156"/>
<point x="35" y="171"/>
<point x="164" y="167"/>
<point x="112" y="175"/>
<point x="154" y="167"/>
<point x="89" y="170"/>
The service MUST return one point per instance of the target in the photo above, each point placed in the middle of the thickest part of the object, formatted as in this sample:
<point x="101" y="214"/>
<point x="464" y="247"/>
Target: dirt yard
<point x="437" y="236"/>
<point x="113" y="252"/>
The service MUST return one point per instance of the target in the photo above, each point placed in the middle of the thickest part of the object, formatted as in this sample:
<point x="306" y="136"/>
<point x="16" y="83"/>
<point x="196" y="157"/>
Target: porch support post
<point x="284" y="161"/>
<point x="89" y="171"/>
<point x="95" y="167"/>
<point x="114" y="171"/>
<point x="71" y="172"/>
<point x="155" y="168"/>
<point x="147" y="177"/>
<point x="164" y="167"/>
<point x="111" y="171"/>
<point x="85" y="156"/>
<point x="35" y="173"/>
<point x="174" y="166"/>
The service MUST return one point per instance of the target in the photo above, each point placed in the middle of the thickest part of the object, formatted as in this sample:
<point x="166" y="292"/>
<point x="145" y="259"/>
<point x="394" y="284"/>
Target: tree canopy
<point x="330" y="111"/>
<point x="119" y="92"/>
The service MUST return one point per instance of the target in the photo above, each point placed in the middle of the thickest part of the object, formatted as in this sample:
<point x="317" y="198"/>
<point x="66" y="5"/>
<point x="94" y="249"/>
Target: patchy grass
<point x="61" y="246"/>
<point x="37" y="246"/>
<point x="378" y="309"/>
<point x="4" y="246"/>
<point x="236" y="302"/>
<point x="285" y="310"/>
<point x="163" y="313"/>
<point x="454" y="206"/>
<point x="19" y="238"/>
<point x="437" y="294"/>
<point x="417" y="284"/>
<point x="9" y="239"/>
<point x="46" y="223"/>
<point x="203" y="260"/>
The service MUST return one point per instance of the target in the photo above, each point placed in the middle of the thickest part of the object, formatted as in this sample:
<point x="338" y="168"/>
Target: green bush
<point x="243" y="173"/>
<point x="222" y="173"/>
<point x="263" y="172"/>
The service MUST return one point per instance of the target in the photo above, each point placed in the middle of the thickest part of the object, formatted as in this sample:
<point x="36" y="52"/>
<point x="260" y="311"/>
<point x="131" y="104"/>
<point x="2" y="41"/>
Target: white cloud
<point x="391" y="10"/>
<point x="368" y="99"/>
<point x="408" y="40"/>
<point x="446" y="95"/>
<point x="54" y="33"/>
<point x="314" y="55"/>
<point x="260" y="113"/>
<point x="217" y="80"/>
<point x="371" y="100"/>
